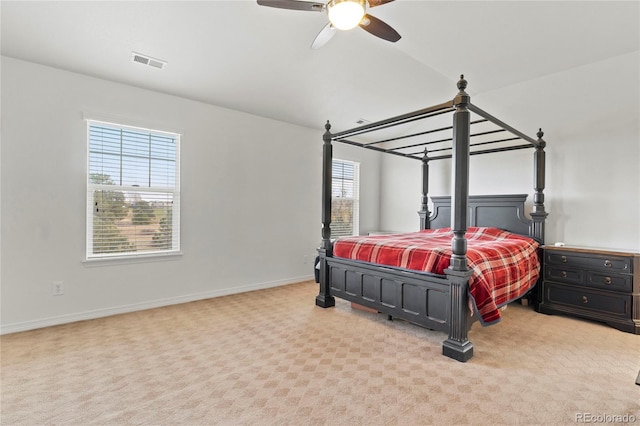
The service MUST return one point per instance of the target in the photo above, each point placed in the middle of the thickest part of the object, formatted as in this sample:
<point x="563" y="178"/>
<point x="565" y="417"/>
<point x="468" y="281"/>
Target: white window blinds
<point x="345" y="198"/>
<point x="133" y="191"/>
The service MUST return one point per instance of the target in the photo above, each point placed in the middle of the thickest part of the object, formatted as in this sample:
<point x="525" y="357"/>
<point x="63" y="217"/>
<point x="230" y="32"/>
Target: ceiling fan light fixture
<point x="346" y="14"/>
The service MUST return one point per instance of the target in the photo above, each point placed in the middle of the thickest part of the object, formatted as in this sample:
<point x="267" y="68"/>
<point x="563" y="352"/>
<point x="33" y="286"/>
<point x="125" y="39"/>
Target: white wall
<point x="590" y="117"/>
<point x="250" y="199"/>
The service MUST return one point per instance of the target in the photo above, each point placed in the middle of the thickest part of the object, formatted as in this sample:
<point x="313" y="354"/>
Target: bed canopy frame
<point x="442" y="300"/>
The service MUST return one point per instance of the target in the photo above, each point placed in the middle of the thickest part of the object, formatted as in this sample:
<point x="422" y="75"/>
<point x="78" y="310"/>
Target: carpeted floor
<point x="271" y="357"/>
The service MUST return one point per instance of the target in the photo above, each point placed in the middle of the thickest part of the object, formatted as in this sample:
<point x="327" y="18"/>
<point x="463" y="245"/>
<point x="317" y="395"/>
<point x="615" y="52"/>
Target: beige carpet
<point x="271" y="357"/>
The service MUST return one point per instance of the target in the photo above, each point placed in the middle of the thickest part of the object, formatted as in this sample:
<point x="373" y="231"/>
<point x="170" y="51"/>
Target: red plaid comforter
<point x="505" y="265"/>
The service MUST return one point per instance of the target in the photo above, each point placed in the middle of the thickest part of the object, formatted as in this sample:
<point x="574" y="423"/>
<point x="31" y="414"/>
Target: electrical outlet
<point x="306" y="259"/>
<point x="58" y="288"/>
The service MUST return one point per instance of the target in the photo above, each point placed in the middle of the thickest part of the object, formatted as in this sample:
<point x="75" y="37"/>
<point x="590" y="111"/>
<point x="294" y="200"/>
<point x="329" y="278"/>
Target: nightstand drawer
<point x="599" y="262"/>
<point x="564" y="275"/>
<point x="607" y="303"/>
<point x="613" y="282"/>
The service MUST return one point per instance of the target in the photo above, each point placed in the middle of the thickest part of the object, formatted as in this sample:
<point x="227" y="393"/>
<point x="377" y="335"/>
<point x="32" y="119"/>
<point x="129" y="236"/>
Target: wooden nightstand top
<point x="593" y="250"/>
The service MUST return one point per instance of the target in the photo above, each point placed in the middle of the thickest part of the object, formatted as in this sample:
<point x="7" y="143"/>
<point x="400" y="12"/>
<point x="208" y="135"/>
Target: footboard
<point x="417" y="297"/>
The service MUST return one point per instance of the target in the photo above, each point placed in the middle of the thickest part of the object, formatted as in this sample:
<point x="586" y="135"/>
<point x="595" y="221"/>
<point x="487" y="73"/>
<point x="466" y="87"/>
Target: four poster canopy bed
<point x="472" y="255"/>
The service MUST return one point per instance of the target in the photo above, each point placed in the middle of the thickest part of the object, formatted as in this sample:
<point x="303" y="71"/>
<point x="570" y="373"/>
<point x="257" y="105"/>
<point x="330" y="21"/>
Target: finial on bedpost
<point x="462" y="84"/>
<point x="462" y="98"/>
<point x="326" y="137"/>
<point x="538" y="214"/>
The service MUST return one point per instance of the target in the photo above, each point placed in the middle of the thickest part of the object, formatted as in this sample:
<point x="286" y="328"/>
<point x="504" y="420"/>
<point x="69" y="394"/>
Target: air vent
<point x="156" y="64"/>
<point x="147" y="60"/>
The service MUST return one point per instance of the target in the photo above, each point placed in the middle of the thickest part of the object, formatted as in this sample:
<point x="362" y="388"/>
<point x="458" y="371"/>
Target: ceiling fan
<point x="343" y="15"/>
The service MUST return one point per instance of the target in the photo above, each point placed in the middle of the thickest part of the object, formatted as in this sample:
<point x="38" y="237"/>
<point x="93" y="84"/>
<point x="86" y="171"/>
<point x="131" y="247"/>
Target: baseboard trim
<point x="158" y="303"/>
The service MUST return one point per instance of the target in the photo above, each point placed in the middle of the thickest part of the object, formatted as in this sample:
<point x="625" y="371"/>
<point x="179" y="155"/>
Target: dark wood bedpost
<point x="424" y="206"/>
<point x="539" y="215"/>
<point x="458" y="346"/>
<point x="324" y="298"/>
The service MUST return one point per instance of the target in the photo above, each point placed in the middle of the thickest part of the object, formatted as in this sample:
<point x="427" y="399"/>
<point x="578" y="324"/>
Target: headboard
<point x="497" y="211"/>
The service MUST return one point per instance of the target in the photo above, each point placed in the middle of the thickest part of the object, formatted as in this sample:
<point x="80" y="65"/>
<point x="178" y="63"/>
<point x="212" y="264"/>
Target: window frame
<point x="174" y="191"/>
<point x="355" y="198"/>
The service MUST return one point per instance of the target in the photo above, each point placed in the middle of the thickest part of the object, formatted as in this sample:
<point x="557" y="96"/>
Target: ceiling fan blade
<point x="325" y="34"/>
<point x="374" y="3"/>
<point x="379" y="28"/>
<point x="293" y="5"/>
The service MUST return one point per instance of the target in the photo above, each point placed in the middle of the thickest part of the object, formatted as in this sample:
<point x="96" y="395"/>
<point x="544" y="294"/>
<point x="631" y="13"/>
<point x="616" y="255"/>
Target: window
<point x="345" y="202"/>
<point x="133" y="191"/>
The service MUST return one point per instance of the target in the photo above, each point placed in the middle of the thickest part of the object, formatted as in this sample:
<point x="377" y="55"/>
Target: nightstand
<point x="597" y="284"/>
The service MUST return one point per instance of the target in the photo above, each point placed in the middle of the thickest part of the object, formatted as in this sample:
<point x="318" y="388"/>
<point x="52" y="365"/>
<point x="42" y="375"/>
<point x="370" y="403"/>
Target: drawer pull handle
<point x="563" y="274"/>
<point x="585" y="300"/>
<point x="563" y="259"/>
<point x="607" y="280"/>
<point x="607" y="263"/>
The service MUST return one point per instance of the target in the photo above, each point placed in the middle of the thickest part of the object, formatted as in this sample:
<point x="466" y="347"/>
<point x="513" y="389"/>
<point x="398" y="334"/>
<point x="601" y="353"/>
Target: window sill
<point x="127" y="260"/>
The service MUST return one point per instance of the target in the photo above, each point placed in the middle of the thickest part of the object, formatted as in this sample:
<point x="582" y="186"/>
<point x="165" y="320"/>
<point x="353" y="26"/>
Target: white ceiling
<point x="239" y="55"/>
